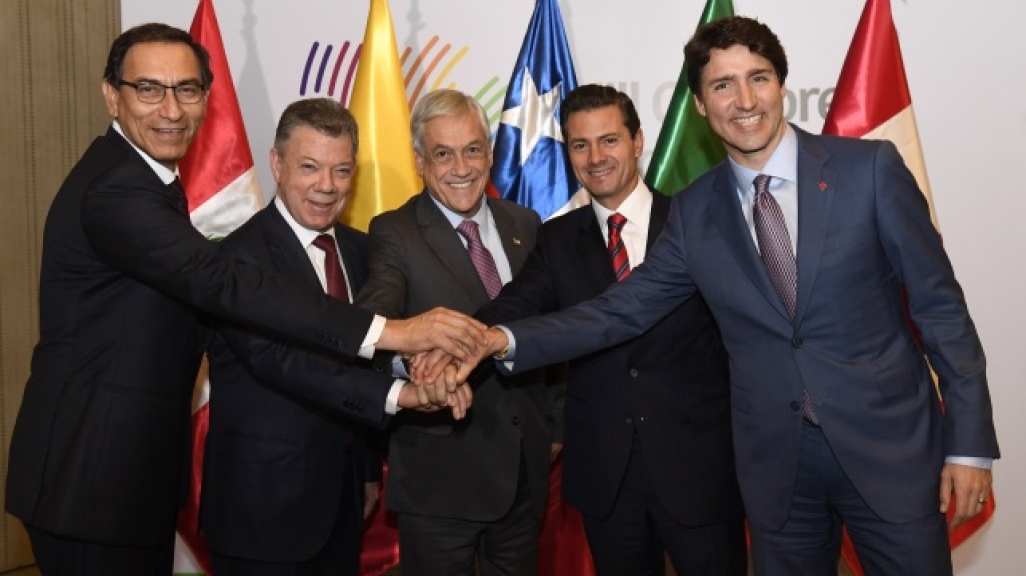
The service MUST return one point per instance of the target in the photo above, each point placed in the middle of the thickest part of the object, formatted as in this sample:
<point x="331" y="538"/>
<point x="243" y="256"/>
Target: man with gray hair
<point x="468" y="492"/>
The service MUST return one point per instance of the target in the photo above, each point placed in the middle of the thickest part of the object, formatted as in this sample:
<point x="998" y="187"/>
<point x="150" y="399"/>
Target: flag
<point x="386" y="175"/>
<point x="530" y="166"/>
<point x="872" y="101"/>
<point x="686" y="146"/>
<point x="223" y="192"/>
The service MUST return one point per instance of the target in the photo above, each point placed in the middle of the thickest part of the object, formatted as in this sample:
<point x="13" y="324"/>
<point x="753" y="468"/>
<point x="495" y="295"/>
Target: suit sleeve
<point x="349" y="390"/>
<point x="135" y="228"/>
<point x="530" y="293"/>
<point x="937" y="306"/>
<point x="385" y="290"/>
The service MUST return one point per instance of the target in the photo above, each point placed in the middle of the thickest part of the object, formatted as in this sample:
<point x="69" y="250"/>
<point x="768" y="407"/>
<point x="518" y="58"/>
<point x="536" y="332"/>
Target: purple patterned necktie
<point x="777" y="255"/>
<point x="481" y="257"/>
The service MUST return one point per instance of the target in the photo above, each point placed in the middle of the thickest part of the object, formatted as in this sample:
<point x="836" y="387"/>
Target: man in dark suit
<point x="286" y="456"/>
<point x="99" y="453"/>
<point x="801" y="246"/>
<point x="647" y="457"/>
<point x="473" y="491"/>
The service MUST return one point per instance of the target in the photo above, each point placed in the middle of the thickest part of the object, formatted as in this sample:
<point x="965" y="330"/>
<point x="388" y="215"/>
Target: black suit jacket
<point x="100" y="448"/>
<point x="284" y="422"/>
<point x="437" y="466"/>
<point x="670" y="385"/>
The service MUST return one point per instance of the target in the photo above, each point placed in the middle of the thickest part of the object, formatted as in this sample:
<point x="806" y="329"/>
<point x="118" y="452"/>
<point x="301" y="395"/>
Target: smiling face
<point x="166" y="129"/>
<point x="743" y="100"/>
<point x="455" y="162"/>
<point x="603" y="154"/>
<point x="314" y="173"/>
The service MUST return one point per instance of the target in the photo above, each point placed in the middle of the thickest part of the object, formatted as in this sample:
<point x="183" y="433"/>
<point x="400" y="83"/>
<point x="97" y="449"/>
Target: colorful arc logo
<point x="327" y="73"/>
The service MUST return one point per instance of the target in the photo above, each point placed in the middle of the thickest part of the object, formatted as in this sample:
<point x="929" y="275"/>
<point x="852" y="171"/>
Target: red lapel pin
<point x="822" y="186"/>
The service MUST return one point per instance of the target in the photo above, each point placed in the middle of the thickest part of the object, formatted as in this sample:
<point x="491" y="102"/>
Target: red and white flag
<point x="223" y="192"/>
<point x="872" y="101"/>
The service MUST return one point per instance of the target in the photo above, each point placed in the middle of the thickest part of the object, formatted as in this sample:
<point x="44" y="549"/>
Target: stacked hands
<point x="442" y="348"/>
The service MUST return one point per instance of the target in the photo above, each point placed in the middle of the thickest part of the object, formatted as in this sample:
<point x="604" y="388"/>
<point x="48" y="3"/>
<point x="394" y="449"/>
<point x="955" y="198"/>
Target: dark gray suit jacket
<point x="864" y="233"/>
<point x="439" y="467"/>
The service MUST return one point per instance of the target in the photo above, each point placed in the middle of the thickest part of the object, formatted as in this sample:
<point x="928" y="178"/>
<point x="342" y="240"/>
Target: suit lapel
<point x="510" y="234"/>
<point x="352" y="259"/>
<point x="725" y="212"/>
<point x="592" y="247"/>
<point x="444" y="241"/>
<point x="817" y="187"/>
<point x="288" y="254"/>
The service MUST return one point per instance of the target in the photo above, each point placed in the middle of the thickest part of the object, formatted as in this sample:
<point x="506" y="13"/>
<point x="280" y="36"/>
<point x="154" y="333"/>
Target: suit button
<point x="796" y="342"/>
<point x="516" y="420"/>
<point x="628" y="421"/>
<point x="633" y="372"/>
<point x="795" y="406"/>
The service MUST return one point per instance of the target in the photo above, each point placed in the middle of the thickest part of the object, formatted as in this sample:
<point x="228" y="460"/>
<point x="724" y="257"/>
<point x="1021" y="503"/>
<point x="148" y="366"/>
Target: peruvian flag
<point x="223" y="193"/>
<point x="872" y="101"/>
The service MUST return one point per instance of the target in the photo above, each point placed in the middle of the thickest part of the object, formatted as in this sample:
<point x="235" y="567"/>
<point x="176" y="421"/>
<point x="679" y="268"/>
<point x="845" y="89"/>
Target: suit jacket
<point x="669" y="386"/>
<point x="439" y="467"/>
<point x="284" y="422"/>
<point x="100" y="449"/>
<point x="864" y="233"/>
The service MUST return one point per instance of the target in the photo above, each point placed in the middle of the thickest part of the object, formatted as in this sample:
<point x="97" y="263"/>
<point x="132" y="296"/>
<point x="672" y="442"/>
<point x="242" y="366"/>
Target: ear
<point x="110" y="98"/>
<point x="419" y="161"/>
<point x="275" y="165"/>
<point x="699" y="105"/>
<point x="639" y="143"/>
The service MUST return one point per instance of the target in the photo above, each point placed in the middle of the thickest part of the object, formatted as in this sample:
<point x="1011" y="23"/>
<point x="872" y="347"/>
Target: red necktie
<point x="481" y="257"/>
<point x="778" y="257"/>
<point x="617" y="251"/>
<point x="333" y="275"/>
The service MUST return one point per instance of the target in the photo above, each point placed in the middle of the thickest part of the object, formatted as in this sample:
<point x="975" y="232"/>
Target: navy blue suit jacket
<point x="285" y="423"/>
<point x="864" y="233"/>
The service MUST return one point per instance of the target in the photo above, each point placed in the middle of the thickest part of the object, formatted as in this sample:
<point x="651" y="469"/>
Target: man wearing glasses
<point x="100" y="449"/>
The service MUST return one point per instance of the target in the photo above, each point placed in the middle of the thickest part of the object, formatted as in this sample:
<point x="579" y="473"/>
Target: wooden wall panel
<point x="50" y="110"/>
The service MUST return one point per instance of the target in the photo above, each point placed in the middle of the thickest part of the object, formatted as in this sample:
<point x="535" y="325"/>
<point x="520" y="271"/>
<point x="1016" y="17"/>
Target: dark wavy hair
<point x="154" y="33"/>
<point x="729" y="32"/>
<point x="593" y="96"/>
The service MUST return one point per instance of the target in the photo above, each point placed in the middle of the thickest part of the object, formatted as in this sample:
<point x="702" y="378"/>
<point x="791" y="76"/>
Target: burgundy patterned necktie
<point x="333" y="275"/>
<point x="777" y="255"/>
<point x="481" y="257"/>
<point x="617" y="251"/>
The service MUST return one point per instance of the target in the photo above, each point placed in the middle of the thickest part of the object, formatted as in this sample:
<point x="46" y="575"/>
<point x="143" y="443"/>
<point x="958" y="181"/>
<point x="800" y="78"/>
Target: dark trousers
<point x="824" y="500"/>
<point x="340" y="555"/>
<point x="60" y="556"/>
<point x="637" y="534"/>
<point x="432" y="546"/>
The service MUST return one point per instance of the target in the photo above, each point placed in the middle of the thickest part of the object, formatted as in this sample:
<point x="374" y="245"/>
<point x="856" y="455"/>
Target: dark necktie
<point x="178" y="191"/>
<point x="617" y="251"/>
<point x="481" y="257"/>
<point x="777" y="255"/>
<point x="333" y="275"/>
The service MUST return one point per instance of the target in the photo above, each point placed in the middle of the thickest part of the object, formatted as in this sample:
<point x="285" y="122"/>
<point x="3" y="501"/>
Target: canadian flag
<point x="223" y="192"/>
<point x="872" y="101"/>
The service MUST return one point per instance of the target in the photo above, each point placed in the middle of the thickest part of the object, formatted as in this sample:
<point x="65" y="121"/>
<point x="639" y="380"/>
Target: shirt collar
<point x="782" y="164"/>
<point x="635" y="207"/>
<point x="306" y="236"/>
<point x="166" y="176"/>
<point x="481" y="216"/>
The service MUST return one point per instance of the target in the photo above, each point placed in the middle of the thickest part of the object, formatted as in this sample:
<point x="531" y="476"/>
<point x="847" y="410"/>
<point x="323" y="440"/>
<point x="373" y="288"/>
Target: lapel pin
<point x="516" y="241"/>
<point x="822" y="186"/>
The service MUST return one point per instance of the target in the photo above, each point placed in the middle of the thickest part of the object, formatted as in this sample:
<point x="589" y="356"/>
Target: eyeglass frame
<point x="163" y="93"/>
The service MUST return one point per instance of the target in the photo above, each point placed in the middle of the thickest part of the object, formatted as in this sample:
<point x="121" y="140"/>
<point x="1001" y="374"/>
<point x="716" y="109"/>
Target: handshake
<point x="441" y="347"/>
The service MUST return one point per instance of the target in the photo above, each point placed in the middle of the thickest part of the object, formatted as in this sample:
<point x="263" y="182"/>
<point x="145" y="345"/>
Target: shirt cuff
<point x="370" y="341"/>
<point x="974" y="461"/>
<point x="392" y="400"/>
<point x="511" y="351"/>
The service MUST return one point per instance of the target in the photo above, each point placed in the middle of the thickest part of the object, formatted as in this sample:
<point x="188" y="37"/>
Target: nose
<point x="595" y="155"/>
<point x="169" y="106"/>
<point x="746" y="99"/>
<point x="326" y="181"/>
<point x="460" y="165"/>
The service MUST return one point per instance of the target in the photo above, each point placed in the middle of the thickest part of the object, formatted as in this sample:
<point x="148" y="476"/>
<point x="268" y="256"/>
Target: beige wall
<point x="51" y="62"/>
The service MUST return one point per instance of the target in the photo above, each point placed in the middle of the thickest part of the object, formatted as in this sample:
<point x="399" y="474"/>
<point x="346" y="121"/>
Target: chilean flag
<point x="530" y="166"/>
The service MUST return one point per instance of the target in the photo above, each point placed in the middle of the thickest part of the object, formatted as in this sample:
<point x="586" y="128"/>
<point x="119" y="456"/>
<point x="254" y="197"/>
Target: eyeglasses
<point x="153" y="92"/>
